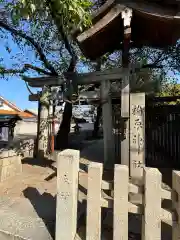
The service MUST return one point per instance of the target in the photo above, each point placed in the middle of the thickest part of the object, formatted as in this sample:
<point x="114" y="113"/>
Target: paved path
<point x="27" y="202"/>
<point x="20" y="220"/>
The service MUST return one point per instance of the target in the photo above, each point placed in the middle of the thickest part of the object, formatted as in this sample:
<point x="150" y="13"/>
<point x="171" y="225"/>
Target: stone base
<point x="10" y="164"/>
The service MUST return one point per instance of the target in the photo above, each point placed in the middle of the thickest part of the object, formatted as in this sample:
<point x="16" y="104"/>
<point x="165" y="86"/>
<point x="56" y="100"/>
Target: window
<point x="83" y="102"/>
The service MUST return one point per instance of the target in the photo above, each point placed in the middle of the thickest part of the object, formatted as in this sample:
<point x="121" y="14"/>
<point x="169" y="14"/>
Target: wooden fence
<point x="118" y="195"/>
<point x="163" y="136"/>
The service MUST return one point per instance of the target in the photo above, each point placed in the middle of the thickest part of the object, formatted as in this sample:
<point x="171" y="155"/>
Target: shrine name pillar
<point x="137" y="135"/>
<point x="125" y="89"/>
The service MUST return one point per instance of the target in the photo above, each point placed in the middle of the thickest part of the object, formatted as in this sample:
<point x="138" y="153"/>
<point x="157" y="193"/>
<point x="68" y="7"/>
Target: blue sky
<point x="13" y="88"/>
<point x="15" y="91"/>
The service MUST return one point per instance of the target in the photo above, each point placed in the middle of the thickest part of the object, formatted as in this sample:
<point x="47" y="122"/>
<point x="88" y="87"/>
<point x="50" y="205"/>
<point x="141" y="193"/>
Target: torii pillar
<point x="42" y="129"/>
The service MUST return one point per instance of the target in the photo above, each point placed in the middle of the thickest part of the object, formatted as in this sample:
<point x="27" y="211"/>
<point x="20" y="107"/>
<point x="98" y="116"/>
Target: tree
<point x="45" y="27"/>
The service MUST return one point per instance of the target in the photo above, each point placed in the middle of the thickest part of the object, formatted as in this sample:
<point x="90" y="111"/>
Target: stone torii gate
<point x="102" y="77"/>
<point x="122" y="25"/>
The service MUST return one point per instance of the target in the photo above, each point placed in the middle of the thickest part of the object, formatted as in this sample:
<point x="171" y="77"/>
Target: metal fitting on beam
<point x="127" y="16"/>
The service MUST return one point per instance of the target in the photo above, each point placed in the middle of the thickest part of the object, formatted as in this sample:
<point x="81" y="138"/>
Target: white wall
<point x="5" y="107"/>
<point x="28" y="128"/>
<point x="23" y="127"/>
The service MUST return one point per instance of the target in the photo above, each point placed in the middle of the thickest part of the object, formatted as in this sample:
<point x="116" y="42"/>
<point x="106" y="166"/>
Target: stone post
<point x="67" y="192"/>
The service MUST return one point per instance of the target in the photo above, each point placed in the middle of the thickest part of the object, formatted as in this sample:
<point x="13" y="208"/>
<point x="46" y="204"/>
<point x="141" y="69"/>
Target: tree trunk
<point x="64" y="129"/>
<point x="65" y="126"/>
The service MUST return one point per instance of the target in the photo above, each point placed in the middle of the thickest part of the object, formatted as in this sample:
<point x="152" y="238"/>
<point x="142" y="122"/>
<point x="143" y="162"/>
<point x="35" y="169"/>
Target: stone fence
<point x="10" y="164"/>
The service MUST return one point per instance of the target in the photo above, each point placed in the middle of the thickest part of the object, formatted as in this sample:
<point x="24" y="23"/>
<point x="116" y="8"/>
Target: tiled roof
<point x="10" y="104"/>
<point x="15" y="110"/>
<point x="21" y="114"/>
<point x="32" y="111"/>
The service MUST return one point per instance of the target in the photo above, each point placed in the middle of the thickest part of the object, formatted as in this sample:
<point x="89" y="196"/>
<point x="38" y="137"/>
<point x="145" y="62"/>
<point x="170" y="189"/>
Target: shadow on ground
<point x="42" y="163"/>
<point x="45" y="162"/>
<point x="45" y="207"/>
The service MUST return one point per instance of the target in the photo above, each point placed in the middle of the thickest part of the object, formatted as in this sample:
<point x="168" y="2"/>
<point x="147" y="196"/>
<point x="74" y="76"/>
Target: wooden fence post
<point x="151" y="221"/>
<point x="67" y="190"/>
<point x="121" y="175"/>
<point x="176" y="204"/>
<point x="93" y="223"/>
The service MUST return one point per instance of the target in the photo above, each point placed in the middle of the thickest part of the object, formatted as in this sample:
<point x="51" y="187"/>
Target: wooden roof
<point x="154" y="23"/>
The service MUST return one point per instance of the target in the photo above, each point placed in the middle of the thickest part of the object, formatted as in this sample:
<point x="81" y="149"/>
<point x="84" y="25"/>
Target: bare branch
<point x="23" y="70"/>
<point x="68" y="46"/>
<point x="37" y="69"/>
<point x="33" y="43"/>
<point x="153" y="65"/>
<point x="10" y="71"/>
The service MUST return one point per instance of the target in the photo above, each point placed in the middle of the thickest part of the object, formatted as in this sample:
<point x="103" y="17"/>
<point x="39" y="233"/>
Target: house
<point x="7" y="109"/>
<point x="10" y="114"/>
<point x="33" y="112"/>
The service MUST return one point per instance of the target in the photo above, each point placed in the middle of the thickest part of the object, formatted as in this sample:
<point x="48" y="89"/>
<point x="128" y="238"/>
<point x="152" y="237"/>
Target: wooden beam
<point x="102" y="10"/>
<point x="125" y="91"/>
<point x="102" y="23"/>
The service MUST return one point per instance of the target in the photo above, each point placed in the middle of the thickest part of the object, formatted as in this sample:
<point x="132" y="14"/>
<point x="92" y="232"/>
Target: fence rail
<point x="121" y="198"/>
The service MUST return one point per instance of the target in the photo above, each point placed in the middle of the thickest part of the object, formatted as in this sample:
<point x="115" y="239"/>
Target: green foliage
<point x="170" y="87"/>
<point x="70" y="12"/>
<point x="40" y="20"/>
